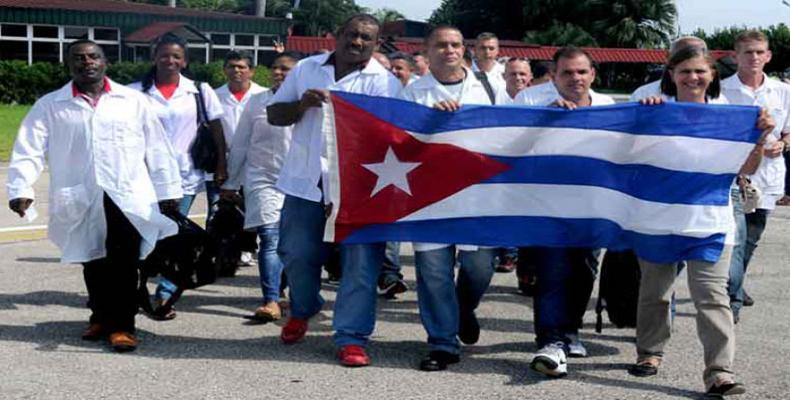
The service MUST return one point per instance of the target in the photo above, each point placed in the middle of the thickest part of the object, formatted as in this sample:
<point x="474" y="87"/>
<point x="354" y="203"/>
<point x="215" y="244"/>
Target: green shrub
<point x="24" y="84"/>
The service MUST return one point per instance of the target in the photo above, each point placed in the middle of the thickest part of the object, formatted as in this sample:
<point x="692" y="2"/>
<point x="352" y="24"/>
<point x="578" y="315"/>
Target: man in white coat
<point x="239" y="68"/>
<point x="257" y="153"/>
<point x="110" y="164"/>
<point x="448" y="311"/>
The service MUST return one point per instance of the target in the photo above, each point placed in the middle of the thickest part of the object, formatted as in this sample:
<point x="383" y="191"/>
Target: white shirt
<point x="428" y="91"/>
<point x="118" y="148"/>
<point x="306" y="161"/>
<point x="774" y="96"/>
<point x="651" y="89"/>
<point x="256" y="156"/>
<point x="179" y="118"/>
<point x="504" y="99"/>
<point x="496" y="76"/>
<point x="544" y="95"/>
<point x="232" y="108"/>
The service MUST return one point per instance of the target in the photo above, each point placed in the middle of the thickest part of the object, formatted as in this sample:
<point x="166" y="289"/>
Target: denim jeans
<point x="391" y="266"/>
<point x="755" y="226"/>
<point x="303" y="251"/>
<point x="166" y="288"/>
<point x="565" y="278"/>
<point x="440" y="302"/>
<point x="355" y="304"/>
<point x="737" y="267"/>
<point x="270" y="267"/>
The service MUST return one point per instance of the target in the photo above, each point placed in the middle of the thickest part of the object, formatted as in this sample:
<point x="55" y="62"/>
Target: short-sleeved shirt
<point x="306" y="161"/>
<point x="545" y="94"/>
<point x="647" y="90"/>
<point x="428" y="91"/>
<point x="178" y="116"/>
<point x="774" y="96"/>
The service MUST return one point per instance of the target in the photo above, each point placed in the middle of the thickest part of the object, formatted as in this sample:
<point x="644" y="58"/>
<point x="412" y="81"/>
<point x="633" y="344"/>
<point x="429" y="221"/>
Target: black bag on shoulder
<point x="618" y="289"/>
<point x="203" y="150"/>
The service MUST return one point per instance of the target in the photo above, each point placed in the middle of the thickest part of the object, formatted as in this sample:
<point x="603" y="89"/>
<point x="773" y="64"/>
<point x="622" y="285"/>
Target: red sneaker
<point x="353" y="356"/>
<point x="293" y="331"/>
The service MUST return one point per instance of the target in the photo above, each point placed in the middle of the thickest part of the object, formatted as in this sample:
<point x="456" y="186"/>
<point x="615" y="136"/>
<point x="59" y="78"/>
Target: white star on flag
<point x="391" y="171"/>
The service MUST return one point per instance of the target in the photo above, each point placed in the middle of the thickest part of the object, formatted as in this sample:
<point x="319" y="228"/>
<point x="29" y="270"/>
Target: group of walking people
<point x="119" y="157"/>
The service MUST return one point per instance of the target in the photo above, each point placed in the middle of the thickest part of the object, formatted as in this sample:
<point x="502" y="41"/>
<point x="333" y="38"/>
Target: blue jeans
<point x="270" y="267"/>
<point x="355" y="304"/>
<point x="440" y="302"/>
<point x="166" y="288"/>
<point x="737" y="265"/>
<point x="303" y="251"/>
<point x="755" y="226"/>
<point x="391" y="266"/>
<point x="565" y="278"/>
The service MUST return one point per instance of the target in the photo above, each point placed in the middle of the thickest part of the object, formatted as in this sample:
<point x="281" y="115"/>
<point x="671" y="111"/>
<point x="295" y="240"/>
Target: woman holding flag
<point x="693" y="78"/>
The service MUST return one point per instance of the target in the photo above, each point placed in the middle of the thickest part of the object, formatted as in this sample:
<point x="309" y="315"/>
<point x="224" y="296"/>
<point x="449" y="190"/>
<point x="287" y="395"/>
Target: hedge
<point x="21" y="83"/>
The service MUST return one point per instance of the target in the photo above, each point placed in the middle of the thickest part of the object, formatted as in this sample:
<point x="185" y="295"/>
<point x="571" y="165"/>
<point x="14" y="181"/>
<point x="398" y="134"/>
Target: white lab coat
<point x="178" y="116"/>
<point x="428" y="91"/>
<point x="118" y="148"/>
<point x="232" y="108"/>
<point x="256" y="157"/>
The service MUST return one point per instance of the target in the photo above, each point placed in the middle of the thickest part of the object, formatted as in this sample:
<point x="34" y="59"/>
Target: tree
<point x="319" y="17"/>
<point x="385" y="15"/>
<point x="633" y="23"/>
<point x="473" y="17"/>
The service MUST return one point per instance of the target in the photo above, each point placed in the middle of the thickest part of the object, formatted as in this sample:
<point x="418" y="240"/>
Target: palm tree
<point x="385" y="15"/>
<point x="633" y="23"/>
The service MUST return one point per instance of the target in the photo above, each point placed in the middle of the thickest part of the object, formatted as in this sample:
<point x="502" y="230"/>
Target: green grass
<point x="10" y="118"/>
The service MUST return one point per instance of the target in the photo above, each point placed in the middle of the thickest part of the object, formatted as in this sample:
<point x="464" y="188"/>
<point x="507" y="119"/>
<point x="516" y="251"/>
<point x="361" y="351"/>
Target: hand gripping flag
<point x="655" y="179"/>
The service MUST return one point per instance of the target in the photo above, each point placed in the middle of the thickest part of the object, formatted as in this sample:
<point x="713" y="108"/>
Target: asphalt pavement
<point x="210" y="351"/>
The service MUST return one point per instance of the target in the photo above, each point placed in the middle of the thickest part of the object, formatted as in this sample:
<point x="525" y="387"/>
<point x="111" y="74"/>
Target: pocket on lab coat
<point x="70" y="204"/>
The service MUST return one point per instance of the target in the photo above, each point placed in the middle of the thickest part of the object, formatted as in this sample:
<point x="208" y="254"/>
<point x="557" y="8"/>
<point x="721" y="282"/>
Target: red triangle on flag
<point x="364" y="140"/>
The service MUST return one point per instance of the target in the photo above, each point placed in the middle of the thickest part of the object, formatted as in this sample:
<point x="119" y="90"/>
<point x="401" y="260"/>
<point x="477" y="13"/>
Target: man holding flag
<point x="565" y="276"/>
<point x="299" y="101"/>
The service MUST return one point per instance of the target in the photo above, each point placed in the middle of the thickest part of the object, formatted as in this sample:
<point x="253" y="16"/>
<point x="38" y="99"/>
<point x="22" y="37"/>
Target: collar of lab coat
<point x="428" y="81"/>
<point x="65" y="93"/>
<point x="373" y="67"/>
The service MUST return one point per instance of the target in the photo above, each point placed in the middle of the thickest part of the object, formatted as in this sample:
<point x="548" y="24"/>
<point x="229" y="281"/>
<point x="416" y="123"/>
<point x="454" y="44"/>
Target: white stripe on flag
<point x="677" y="153"/>
<point x="572" y="201"/>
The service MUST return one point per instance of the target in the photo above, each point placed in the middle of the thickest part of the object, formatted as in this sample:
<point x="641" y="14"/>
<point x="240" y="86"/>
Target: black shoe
<point x="391" y="286"/>
<point x="468" y="328"/>
<point x="748" y="301"/>
<point x="725" y="389"/>
<point x="643" y="370"/>
<point x="438" y="361"/>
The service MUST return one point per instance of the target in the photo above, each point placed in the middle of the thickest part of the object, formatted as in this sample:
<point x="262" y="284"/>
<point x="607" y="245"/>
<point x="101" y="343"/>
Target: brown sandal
<point x="645" y="368"/>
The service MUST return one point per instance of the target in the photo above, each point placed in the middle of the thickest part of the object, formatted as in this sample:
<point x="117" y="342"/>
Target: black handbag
<point x="203" y="150"/>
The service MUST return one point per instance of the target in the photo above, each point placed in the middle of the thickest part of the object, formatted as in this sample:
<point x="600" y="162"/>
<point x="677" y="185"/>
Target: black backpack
<point x="618" y="289"/>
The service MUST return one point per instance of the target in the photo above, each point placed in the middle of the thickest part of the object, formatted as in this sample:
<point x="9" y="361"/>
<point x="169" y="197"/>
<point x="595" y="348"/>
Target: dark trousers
<point x="565" y="278"/>
<point x="112" y="280"/>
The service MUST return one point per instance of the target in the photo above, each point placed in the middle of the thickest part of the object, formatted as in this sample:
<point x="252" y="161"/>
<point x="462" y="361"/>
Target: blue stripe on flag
<point x="721" y="122"/>
<point x="550" y="232"/>
<point x="641" y="181"/>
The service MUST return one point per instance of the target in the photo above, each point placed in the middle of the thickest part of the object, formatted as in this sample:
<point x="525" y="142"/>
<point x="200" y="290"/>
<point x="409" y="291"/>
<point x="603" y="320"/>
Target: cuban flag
<point x="655" y="179"/>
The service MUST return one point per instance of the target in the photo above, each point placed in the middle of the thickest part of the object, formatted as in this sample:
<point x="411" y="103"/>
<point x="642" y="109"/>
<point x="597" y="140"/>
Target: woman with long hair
<point x="175" y="99"/>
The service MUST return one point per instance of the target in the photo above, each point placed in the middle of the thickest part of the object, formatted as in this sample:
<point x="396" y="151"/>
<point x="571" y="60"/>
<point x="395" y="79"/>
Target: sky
<point x="693" y="14"/>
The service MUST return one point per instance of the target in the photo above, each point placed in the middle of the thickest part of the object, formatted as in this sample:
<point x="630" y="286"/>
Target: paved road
<point x="211" y="352"/>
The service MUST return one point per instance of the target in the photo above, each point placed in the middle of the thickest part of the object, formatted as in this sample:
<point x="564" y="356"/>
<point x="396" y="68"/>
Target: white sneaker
<point x="576" y="348"/>
<point x="246" y="259"/>
<point x="551" y="361"/>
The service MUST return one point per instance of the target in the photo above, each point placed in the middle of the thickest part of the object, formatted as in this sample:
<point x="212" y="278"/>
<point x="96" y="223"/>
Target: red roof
<point x="510" y="49"/>
<point x="118" y="6"/>
<point x="152" y="31"/>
